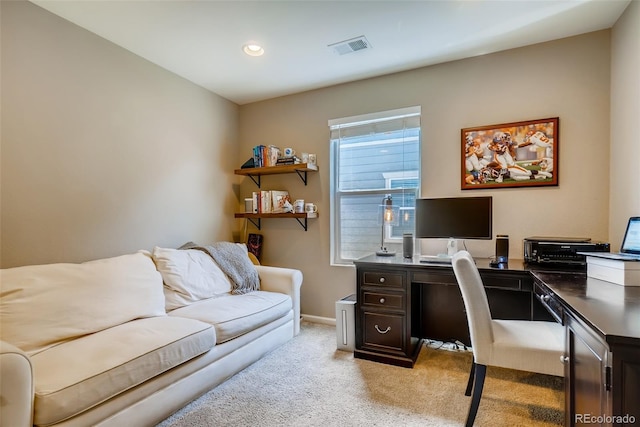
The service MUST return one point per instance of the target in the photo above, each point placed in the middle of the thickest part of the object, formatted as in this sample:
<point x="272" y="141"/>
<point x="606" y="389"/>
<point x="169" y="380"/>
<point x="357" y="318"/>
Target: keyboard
<point x="435" y="259"/>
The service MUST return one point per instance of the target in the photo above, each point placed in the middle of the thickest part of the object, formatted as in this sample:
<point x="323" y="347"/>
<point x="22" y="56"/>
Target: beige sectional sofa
<point x="129" y="340"/>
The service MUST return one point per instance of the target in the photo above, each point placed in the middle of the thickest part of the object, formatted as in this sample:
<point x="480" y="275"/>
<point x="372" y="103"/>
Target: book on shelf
<point x="257" y="156"/>
<point x="286" y="161"/>
<point x="256" y="201"/>
<point x="265" y="201"/>
<point x="273" y="153"/>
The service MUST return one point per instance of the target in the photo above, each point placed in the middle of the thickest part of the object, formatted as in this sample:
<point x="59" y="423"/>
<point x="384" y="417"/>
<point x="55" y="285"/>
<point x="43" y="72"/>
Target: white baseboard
<point x="318" y="319"/>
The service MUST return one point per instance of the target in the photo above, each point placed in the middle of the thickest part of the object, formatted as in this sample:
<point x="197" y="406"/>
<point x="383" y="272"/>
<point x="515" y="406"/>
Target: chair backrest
<point x="476" y="304"/>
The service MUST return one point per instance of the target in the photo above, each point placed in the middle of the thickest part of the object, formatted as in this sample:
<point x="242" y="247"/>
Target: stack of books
<point x="265" y="155"/>
<point x="287" y="160"/>
<point x="270" y="201"/>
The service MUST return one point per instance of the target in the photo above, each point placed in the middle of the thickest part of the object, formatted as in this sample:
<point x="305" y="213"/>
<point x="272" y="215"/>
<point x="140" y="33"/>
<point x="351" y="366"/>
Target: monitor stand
<point x="452" y="246"/>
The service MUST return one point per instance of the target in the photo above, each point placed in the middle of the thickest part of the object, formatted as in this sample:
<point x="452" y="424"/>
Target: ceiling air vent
<point x="351" y="45"/>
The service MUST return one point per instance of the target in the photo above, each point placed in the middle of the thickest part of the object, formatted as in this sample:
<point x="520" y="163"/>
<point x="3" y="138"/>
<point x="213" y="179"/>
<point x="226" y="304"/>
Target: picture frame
<point x="519" y="154"/>
<point x="279" y="200"/>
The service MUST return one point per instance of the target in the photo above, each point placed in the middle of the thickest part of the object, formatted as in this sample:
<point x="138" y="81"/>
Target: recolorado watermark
<point x="604" y="419"/>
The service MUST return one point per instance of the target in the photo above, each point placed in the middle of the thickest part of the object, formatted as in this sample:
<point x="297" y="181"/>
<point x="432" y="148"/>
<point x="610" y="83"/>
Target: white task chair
<point x="534" y="346"/>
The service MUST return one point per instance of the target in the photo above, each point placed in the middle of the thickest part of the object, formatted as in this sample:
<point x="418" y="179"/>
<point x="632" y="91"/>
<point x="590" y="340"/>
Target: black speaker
<point x="502" y="248"/>
<point x="407" y="245"/>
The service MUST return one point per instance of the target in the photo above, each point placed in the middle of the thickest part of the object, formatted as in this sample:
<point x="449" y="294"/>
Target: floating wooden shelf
<point x="255" y="173"/>
<point x="255" y="218"/>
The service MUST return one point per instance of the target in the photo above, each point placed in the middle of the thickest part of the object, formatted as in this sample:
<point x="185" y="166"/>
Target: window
<point x="373" y="156"/>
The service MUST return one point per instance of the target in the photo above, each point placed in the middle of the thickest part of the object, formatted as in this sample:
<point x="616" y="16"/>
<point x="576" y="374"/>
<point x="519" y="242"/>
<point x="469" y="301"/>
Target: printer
<point x="560" y="250"/>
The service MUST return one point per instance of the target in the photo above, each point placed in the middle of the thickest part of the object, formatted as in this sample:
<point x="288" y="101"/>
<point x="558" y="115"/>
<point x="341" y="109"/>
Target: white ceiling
<point x="202" y="40"/>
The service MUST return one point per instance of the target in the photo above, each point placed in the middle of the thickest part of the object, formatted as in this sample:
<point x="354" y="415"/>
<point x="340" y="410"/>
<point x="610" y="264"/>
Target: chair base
<point x="467" y="392"/>
<point x="476" y="379"/>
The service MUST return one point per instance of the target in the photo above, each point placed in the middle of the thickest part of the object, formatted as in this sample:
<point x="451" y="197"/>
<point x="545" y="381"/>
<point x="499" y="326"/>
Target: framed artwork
<point x="520" y="154"/>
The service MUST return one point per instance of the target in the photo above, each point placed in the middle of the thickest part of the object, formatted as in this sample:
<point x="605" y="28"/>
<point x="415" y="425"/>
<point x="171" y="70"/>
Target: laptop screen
<point x="631" y="241"/>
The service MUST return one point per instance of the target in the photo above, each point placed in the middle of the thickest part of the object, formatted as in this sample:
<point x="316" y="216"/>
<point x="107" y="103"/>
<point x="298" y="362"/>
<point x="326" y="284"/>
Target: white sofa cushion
<point x="189" y="275"/>
<point x="233" y="260"/>
<point x="41" y="305"/>
<point x="77" y="375"/>
<point x="235" y="315"/>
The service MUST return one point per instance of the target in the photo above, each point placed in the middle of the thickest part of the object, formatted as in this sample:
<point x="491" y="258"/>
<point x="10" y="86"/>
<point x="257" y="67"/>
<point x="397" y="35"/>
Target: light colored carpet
<point x="307" y="382"/>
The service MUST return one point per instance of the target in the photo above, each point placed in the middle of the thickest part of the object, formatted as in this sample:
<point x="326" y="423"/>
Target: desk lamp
<point x="389" y="216"/>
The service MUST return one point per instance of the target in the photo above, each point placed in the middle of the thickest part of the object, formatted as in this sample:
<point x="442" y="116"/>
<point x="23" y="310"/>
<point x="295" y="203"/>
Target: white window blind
<point x="371" y="156"/>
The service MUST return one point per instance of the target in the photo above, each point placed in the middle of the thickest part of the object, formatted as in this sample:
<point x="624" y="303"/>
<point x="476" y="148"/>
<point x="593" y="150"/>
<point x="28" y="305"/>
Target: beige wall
<point x="625" y="114"/>
<point x="567" y="78"/>
<point x="104" y="153"/>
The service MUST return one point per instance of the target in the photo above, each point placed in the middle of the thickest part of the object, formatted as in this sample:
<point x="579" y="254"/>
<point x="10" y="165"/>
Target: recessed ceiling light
<point x="253" y="49"/>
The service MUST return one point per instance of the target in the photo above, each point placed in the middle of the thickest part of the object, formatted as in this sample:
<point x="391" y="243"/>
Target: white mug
<point x="298" y="206"/>
<point x="289" y="152"/>
<point x="310" y="208"/>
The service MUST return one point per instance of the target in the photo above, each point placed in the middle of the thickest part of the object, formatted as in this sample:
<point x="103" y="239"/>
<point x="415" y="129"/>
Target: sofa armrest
<point x="286" y="281"/>
<point x="16" y="386"/>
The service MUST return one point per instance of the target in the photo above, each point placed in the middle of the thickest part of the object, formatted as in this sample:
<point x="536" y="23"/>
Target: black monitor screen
<point x="454" y="217"/>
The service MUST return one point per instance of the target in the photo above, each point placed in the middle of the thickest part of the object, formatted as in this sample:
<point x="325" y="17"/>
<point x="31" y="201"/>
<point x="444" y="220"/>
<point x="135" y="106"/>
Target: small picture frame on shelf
<point x="279" y="200"/>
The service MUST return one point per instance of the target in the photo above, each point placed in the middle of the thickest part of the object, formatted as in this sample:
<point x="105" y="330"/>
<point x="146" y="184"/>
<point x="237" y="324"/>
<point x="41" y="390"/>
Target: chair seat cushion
<point x="76" y="375"/>
<point x="533" y="346"/>
<point x="235" y="315"/>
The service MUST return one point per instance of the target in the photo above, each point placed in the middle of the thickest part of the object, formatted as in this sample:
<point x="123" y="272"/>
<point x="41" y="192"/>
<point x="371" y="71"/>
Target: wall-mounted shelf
<point x="255" y="218"/>
<point x="255" y="173"/>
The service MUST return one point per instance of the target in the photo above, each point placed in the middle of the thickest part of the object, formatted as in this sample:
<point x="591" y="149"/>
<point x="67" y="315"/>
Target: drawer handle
<point x="382" y="300"/>
<point x="564" y="359"/>
<point x="382" y="280"/>
<point x="383" y="332"/>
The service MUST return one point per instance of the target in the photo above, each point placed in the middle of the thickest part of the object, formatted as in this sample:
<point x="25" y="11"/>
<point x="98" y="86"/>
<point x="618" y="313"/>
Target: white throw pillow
<point x="189" y="275"/>
<point x="41" y="305"/>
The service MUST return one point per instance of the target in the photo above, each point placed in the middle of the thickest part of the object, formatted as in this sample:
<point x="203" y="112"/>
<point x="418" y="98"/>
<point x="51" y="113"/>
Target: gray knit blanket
<point x="234" y="262"/>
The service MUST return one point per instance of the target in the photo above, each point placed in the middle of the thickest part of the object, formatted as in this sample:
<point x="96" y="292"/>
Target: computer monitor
<point x="454" y="218"/>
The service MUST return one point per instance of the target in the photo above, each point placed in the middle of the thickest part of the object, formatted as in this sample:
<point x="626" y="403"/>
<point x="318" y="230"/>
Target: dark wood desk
<point x="400" y="302"/>
<point x="602" y="353"/>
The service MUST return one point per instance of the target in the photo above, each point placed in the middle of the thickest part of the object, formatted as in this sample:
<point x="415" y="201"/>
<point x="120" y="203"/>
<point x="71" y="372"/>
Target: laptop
<point x="630" y="248"/>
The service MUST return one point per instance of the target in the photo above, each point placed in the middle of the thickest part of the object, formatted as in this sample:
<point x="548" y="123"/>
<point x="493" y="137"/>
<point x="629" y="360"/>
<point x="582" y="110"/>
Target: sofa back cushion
<point x="189" y="275"/>
<point x="41" y="305"/>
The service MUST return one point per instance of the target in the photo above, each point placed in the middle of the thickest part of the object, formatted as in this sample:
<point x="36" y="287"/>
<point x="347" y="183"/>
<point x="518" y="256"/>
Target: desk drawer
<point x="492" y="280"/>
<point x="383" y="278"/>
<point x="489" y="280"/>
<point x="549" y="300"/>
<point x="383" y="300"/>
<point x="384" y="331"/>
<point x="431" y="277"/>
